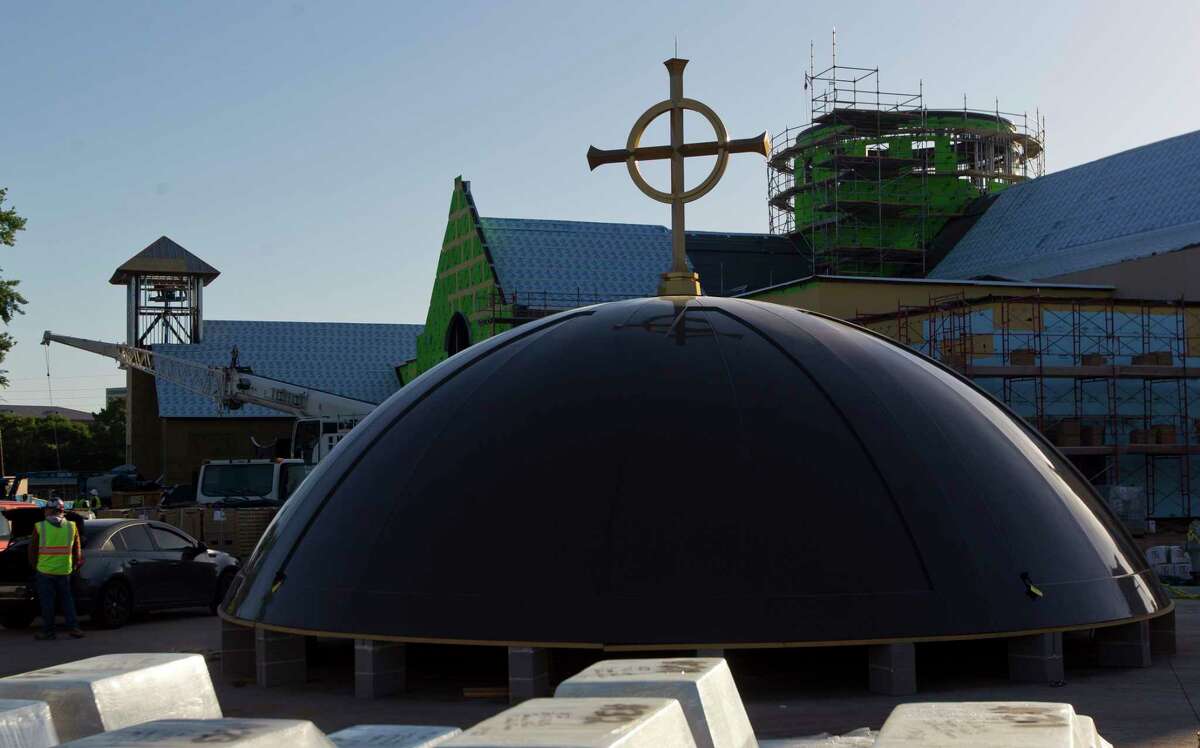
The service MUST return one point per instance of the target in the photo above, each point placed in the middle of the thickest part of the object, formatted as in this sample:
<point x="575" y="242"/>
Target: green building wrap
<point x="464" y="292"/>
<point x="873" y="179"/>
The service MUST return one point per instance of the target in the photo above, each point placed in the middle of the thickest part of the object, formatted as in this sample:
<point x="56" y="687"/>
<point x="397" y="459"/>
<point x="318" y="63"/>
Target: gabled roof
<point x="164" y="256"/>
<point x="732" y="263"/>
<point x="352" y="359"/>
<point x="1129" y="205"/>
<point x="608" y="261"/>
<point x="597" y="261"/>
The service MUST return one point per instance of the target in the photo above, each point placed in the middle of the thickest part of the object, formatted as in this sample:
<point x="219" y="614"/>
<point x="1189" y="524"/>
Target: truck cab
<point x="234" y="482"/>
<point x="314" y="438"/>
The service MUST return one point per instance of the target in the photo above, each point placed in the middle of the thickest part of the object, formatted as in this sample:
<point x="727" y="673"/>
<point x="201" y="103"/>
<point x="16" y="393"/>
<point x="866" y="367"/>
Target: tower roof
<point x="163" y="256"/>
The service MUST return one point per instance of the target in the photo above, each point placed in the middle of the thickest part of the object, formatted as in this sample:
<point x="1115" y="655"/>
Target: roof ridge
<point x="572" y="220"/>
<point x="309" y="322"/>
<point x="1143" y="146"/>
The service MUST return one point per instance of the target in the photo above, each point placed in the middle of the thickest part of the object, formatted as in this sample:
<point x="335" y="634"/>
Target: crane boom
<point x="227" y="386"/>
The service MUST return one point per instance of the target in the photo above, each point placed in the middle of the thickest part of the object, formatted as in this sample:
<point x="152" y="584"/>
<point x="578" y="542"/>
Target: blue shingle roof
<point x="598" y="260"/>
<point x="1129" y="205"/>
<point x="351" y="359"/>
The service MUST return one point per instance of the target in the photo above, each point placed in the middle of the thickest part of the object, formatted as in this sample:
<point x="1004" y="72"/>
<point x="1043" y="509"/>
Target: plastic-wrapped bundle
<point x="114" y="691"/>
<point x="863" y="737"/>
<point x="1033" y="724"/>
<point x="394" y="736"/>
<point x="26" y="724"/>
<point x="626" y="722"/>
<point x="703" y="686"/>
<point x="235" y="733"/>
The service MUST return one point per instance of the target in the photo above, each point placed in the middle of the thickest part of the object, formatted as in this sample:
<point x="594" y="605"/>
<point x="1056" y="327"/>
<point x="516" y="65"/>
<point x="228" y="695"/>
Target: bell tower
<point x="165" y="294"/>
<point x="164" y="285"/>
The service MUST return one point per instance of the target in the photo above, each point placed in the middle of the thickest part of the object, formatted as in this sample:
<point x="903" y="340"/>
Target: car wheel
<point x="114" y="606"/>
<point x="222" y="587"/>
<point x="18" y="619"/>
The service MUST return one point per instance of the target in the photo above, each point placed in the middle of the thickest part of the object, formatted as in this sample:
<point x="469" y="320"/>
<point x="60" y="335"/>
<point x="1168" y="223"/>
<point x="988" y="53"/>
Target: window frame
<point x="214" y="473"/>
<point x="189" y="543"/>
<point x="132" y="528"/>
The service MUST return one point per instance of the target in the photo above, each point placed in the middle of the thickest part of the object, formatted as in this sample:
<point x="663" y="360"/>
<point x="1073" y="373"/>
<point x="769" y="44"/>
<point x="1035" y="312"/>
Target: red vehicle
<point x="4" y="527"/>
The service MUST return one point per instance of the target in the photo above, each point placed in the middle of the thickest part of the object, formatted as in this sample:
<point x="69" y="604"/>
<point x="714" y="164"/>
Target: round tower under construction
<point x="873" y="179"/>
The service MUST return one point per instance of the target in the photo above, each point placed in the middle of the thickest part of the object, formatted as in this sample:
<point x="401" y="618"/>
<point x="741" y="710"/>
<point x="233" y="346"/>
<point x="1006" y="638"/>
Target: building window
<point x="458" y="335"/>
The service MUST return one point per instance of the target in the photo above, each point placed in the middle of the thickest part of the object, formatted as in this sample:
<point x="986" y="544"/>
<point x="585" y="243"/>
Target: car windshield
<point x="237" y="480"/>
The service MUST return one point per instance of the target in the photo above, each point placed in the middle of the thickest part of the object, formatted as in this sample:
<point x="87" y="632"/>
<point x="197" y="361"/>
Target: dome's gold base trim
<point x="695" y="645"/>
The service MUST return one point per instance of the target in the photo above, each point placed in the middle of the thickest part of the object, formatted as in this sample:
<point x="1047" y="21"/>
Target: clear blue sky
<point x="308" y="150"/>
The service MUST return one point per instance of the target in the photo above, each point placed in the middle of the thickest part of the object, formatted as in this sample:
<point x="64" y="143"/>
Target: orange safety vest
<point x="54" y="547"/>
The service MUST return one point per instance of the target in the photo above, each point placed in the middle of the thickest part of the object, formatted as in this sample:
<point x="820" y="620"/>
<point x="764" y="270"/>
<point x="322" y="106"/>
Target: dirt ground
<point x="787" y="693"/>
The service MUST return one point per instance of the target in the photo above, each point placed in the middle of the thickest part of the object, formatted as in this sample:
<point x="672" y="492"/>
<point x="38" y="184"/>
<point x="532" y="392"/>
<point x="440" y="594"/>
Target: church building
<point x="1072" y="298"/>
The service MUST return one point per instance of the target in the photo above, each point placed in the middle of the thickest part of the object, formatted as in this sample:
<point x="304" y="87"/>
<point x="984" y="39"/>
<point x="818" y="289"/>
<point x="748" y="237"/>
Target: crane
<point x="322" y="418"/>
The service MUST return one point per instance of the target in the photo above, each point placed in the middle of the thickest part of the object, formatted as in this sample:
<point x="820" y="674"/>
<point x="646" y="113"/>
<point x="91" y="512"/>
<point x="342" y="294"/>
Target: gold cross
<point x="679" y="281"/>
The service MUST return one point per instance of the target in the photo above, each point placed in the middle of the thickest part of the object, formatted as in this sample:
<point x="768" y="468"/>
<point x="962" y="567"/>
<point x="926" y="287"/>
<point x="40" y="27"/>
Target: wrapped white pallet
<point x="114" y="691"/>
<point x="26" y="724"/>
<point x="394" y="736"/>
<point x="235" y="733"/>
<point x="988" y="724"/>
<point x="863" y="737"/>
<point x="630" y="722"/>
<point x="703" y="686"/>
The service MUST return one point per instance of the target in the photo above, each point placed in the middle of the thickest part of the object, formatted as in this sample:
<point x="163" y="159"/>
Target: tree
<point x="32" y="444"/>
<point x="108" y="435"/>
<point x="38" y="443"/>
<point x="11" y="300"/>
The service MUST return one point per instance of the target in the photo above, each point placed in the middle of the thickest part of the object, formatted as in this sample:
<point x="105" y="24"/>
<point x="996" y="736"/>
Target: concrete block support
<point x="1162" y="634"/>
<point x="893" y="669"/>
<point x="528" y="673"/>
<point x="380" y="668"/>
<point x="279" y="659"/>
<point x="1036" y="659"/>
<point x="237" y="652"/>
<point x="1127" y="645"/>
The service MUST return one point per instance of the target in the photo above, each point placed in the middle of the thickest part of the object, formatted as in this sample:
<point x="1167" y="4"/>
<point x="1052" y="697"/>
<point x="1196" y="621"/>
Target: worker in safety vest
<point x="55" y="552"/>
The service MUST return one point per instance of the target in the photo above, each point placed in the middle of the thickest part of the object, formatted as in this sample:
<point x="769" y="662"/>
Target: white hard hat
<point x="93" y="492"/>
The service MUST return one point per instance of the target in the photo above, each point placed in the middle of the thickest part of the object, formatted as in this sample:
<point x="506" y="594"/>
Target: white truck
<point x="234" y="482"/>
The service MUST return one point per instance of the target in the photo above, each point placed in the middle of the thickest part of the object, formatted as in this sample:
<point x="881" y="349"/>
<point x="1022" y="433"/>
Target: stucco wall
<point x="145" y="430"/>
<point x="1169" y="276"/>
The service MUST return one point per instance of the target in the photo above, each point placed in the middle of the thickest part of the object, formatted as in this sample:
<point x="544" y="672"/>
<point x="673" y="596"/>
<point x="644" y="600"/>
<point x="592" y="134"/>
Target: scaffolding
<point x="875" y="175"/>
<point x="1114" y="383"/>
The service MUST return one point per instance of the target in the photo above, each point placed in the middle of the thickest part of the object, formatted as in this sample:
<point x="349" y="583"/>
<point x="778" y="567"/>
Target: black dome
<point x="741" y="473"/>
